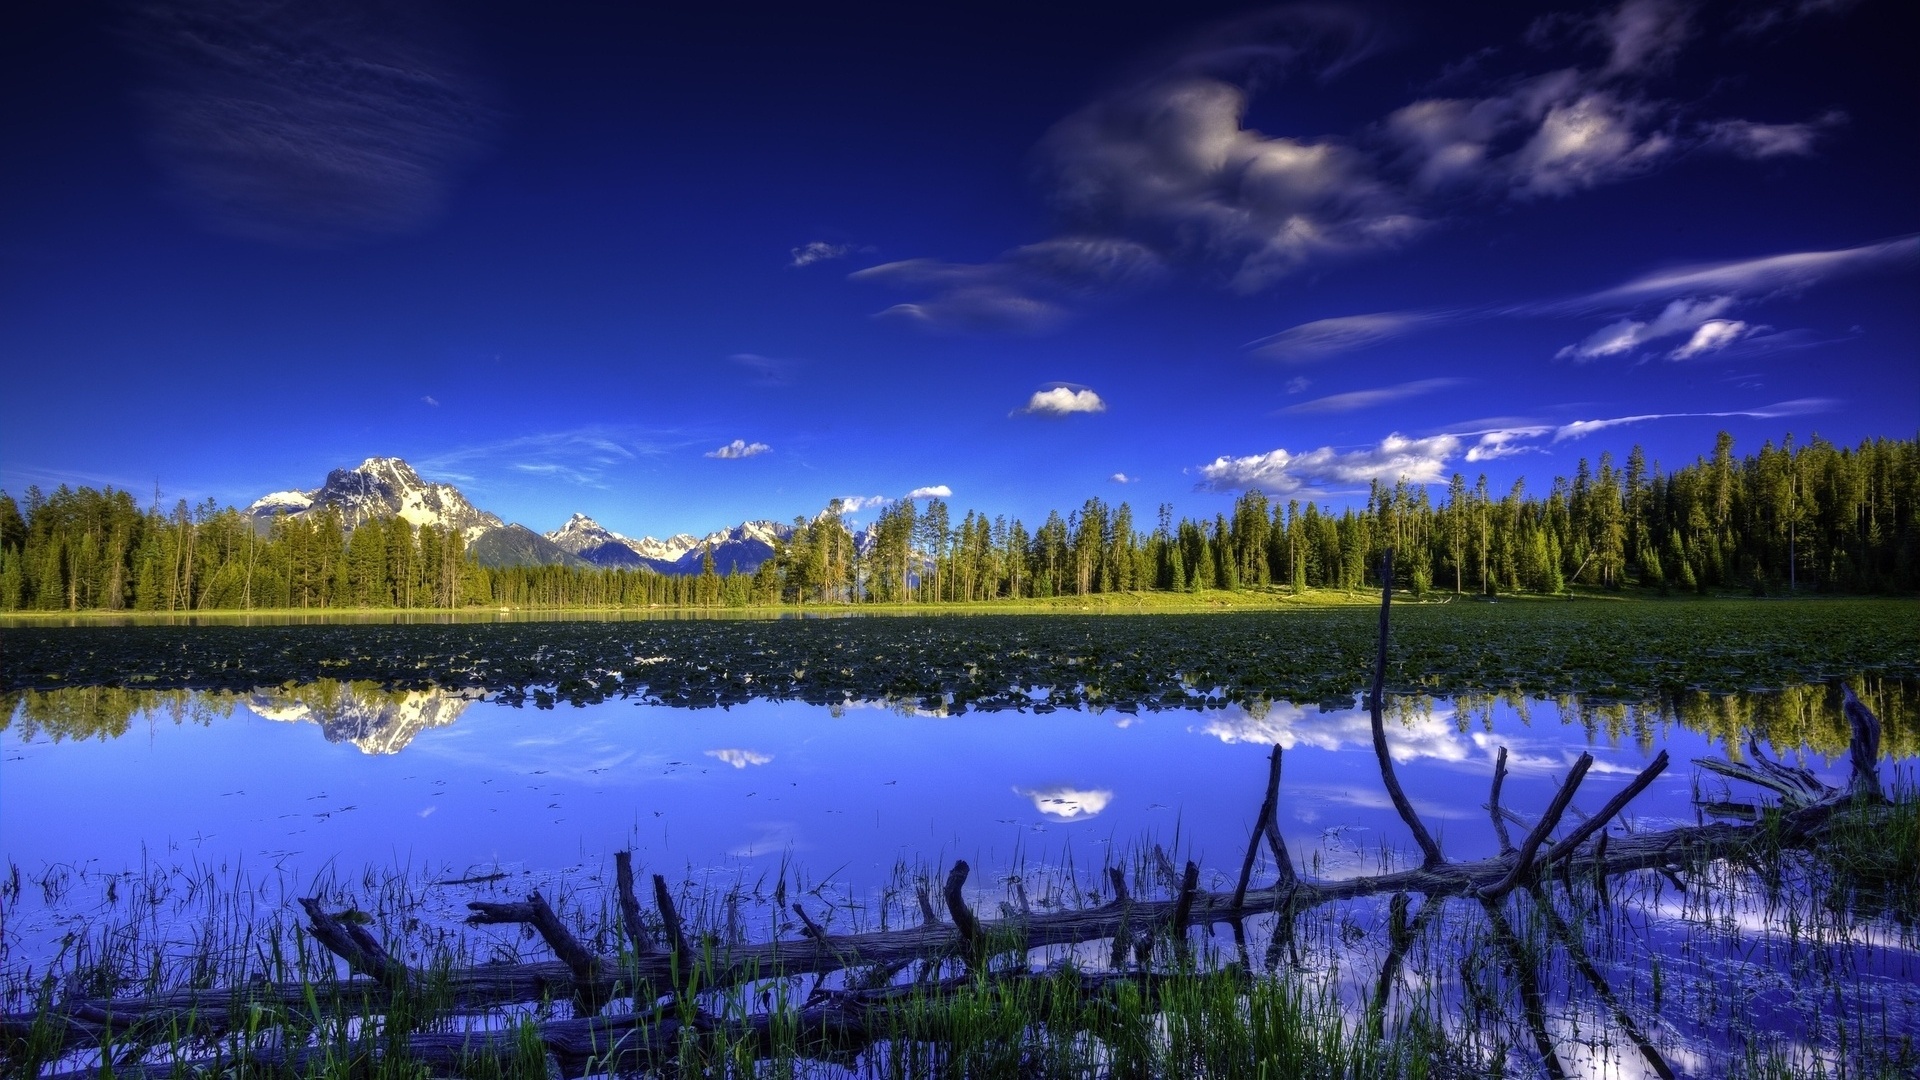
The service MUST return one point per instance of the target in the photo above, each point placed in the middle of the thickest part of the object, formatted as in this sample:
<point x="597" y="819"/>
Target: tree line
<point x="1792" y="517"/>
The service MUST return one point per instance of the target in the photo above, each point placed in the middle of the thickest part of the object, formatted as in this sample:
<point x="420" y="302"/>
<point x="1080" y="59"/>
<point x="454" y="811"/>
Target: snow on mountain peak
<point x="383" y="487"/>
<point x="581" y="533"/>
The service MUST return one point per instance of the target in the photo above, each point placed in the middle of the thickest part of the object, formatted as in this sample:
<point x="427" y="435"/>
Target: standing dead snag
<point x="630" y="904"/>
<point x="1863" y="749"/>
<point x="1376" y="703"/>
<point x="1268" y="826"/>
<point x="963" y="921"/>
<point x="1493" y="803"/>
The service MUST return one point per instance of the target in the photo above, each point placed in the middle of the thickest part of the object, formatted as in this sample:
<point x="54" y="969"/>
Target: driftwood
<point x="835" y="1022"/>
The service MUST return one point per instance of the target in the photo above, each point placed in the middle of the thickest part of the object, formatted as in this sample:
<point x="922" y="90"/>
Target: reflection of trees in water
<point x="105" y="712"/>
<point x="1807" y="715"/>
<point x="377" y="720"/>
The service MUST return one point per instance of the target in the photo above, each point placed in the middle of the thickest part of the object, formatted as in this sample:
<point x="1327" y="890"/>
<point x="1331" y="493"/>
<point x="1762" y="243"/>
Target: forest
<point x="1791" y="518"/>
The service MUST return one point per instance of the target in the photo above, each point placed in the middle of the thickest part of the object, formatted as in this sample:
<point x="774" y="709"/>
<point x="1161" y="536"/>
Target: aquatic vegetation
<point x="960" y="663"/>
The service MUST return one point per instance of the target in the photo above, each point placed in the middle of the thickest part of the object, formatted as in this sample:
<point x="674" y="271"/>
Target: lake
<point x="111" y="794"/>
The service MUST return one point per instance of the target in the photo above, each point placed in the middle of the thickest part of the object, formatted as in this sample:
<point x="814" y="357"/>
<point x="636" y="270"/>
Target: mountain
<point x="381" y="488"/>
<point x="517" y="545"/>
<point x="385" y="487"/>
<point x="743" y="547"/>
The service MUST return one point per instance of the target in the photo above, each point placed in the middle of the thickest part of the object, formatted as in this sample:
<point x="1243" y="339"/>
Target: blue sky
<point x="678" y="268"/>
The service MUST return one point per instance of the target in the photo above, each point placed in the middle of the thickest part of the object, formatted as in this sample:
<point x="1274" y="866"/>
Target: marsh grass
<point x="1777" y="963"/>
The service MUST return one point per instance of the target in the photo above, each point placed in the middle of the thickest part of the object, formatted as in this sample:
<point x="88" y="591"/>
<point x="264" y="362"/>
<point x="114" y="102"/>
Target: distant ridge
<point x="741" y="548"/>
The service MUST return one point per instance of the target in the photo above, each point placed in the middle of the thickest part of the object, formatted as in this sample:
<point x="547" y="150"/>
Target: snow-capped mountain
<point x="385" y="487"/>
<point x="378" y="488"/>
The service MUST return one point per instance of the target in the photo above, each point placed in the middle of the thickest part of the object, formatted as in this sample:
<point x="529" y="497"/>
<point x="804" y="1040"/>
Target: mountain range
<point x="385" y="487"/>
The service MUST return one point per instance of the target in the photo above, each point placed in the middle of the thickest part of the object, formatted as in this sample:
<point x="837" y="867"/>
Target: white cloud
<point x="1626" y="335"/>
<point x="1280" y="472"/>
<point x="1298" y="384"/>
<point x="1366" y="399"/>
<point x="1642" y="34"/>
<point x="853" y="504"/>
<point x="1171" y="165"/>
<point x="739" y="448"/>
<point x="1586" y="142"/>
<point x="821" y="251"/>
<point x="1507" y="442"/>
<point x="1064" y="803"/>
<point x="1326" y="337"/>
<point x="740" y="759"/>
<point x="1712" y="336"/>
<point x="430" y="400"/>
<point x="932" y="491"/>
<point x="1123" y="478"/>
<point x="1056" y="401"/>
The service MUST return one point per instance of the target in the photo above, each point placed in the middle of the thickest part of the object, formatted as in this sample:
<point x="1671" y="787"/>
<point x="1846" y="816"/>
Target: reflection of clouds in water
<point x="1374" y="800"/>
<point x="740" y="759"/>
<point x="1549" y="759"/>
<point x="774" y="837"/>
<point x="1064" y="803"/>
<point x="1429" y="734"/>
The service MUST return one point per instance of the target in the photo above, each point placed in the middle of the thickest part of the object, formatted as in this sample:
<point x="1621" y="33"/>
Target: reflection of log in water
<point x="835" y="1022"/>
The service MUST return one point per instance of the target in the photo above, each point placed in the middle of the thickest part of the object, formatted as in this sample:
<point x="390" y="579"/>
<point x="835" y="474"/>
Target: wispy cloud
<point x="1058" y="401"/>
<point x="582" y="455"/>
<point x="931" y="491"/>
<point x="1697" y="300"/>
<point x="1365" y="399"/>
<point x="854" y="504"/>
<point x="306" y="123"/>
<point x="1282" y="472"/>
<point x="1580" y="429"/>
<point x="821" y="251"/>
<point x="1122" y="478"/>
<point x="739" y="448"/>
<point x="1164" y="171"/>
<point x="1757" y="277"/>
<point x="767" y="371"/>
<point x="1023" y="290"/>
<point x="430" y="400"/>
<point x="1322" y="338"/>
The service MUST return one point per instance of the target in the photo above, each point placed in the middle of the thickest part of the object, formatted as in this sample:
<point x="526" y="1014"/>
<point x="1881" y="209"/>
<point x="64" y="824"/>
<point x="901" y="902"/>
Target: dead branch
<point x="630" y="904"/>
<point x="1493" y="802"/>
<point x="1523" y="859"/>
<point x="1375" y="704"/>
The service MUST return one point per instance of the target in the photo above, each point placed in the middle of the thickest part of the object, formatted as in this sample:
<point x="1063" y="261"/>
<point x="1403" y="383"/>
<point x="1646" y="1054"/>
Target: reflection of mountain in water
<point x="376" y="720"/>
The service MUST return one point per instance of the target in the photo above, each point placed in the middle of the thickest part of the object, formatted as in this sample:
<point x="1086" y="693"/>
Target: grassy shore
<point x="1270" y="598"/>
